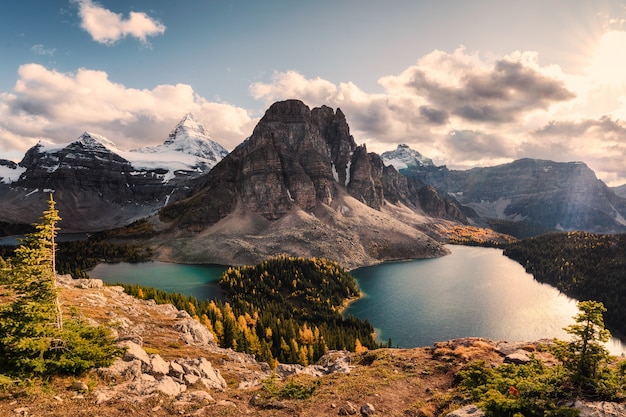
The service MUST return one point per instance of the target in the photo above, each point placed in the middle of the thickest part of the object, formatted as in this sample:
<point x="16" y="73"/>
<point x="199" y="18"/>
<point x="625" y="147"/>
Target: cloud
<point x="41" y="50"/>
<point x="60" y="106"/>
<point x="476" y="145"/>
<point x="499" y="93"/>
<point x="601" y="143"/>
<point x="107" y="27"/>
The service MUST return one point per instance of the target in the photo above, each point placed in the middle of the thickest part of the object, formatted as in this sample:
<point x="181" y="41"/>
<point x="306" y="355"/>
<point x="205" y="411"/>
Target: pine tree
<point x="33" y="338"/>
<point x="583" y="356"/>
<point x="30" y="325"/>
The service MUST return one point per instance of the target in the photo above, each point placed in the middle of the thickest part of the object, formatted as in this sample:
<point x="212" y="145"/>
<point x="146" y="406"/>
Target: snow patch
<point x="335" y="173"/>
<point x="9" y="174"/>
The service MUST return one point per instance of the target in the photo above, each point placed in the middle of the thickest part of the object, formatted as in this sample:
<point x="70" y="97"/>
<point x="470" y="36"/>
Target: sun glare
<point x="608" y="65"/>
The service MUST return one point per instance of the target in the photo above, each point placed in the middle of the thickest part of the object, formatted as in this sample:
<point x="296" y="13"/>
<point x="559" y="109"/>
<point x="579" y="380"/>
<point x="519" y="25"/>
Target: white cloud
<point x="107" y="27"/>
<point x="47" y="104"/>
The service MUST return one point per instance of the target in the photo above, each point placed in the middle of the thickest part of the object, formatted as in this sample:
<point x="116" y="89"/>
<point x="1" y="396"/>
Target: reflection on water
<point x="472" y="292"/>
<point x="199" y="281"/>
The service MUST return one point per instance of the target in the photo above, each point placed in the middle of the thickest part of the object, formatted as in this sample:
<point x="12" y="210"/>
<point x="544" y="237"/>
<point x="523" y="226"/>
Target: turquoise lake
<point x="471" y="292"/>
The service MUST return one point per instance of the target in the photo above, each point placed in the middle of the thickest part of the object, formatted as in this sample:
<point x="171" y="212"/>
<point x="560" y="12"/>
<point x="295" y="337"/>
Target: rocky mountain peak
<point x="188" y="127"/>
<point x="404" y="157"/>
<point x="94" y="142"/>
<point x="188" y="138"/>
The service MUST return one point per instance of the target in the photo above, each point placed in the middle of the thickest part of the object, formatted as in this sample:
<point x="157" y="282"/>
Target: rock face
<point x="296" y="157"/>
<point x="555" y="195"/>
<point x="300" y="185"/>
<point x="98" y="186"/>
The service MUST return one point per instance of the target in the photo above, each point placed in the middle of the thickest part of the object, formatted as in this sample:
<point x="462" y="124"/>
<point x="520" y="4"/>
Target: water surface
<point x="199" y="281"/>
<point x="471" y="292"/>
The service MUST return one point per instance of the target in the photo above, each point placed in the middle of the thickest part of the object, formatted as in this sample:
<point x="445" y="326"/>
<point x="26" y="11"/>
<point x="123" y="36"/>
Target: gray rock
<point x="367" y="409"/>
<point x="600" y="409"/>
<point x="336" y="361"/>
<point x="193" y="332"/>
<point x="134" y="351"/>
<point x="176" y="370"/>
<point x="158" y="366"/>
<point x="348" y="409"/>
<point x="518" y="357"/>
<point x="79" y="386"/>
<point x="122" y="370"/>
<point x="467" y="411"/>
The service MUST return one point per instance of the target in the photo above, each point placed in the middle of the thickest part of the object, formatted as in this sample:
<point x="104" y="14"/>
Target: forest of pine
<point x="286" y="309"/>
<point x="582" y="265"/>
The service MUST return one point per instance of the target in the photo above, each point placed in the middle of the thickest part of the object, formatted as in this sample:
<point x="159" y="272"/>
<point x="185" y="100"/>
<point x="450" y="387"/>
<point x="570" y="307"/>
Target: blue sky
<point x="467" y="83"/>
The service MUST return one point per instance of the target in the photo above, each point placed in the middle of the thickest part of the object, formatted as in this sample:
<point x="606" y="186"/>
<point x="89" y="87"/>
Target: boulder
<point x="600" y="409"/>
<point x="367" y="409"/>
<point x="159" y="367"/>
<point x="519" y="357"/>
<point x="193" y="332"/>
<point x="134" y="351"/>
<point x="467" y="411"/>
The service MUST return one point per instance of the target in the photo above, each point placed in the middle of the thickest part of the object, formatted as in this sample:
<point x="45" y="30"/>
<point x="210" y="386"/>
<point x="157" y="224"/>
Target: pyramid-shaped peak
<point x="188" y="127"/>
<point x="93" y="140"/>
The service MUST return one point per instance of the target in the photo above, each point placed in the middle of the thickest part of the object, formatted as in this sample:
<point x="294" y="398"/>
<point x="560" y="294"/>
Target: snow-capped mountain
<point x="99" y="186"/>
<point x="188" y="148"/>
<point x="404" y="157"/>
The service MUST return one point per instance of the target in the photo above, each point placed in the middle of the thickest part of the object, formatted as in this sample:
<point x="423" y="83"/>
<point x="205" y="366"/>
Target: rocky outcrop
<point x="300" y="185"/>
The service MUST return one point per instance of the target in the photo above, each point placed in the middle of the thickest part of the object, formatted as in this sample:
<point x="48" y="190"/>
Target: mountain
<point x="404" y="157"/>
<point x="188" y="145"/>
<point x="554" y="195"/>
<point x="300" y="185"/>
<point x="620" y="191"/>
<point x="97" y="185"/>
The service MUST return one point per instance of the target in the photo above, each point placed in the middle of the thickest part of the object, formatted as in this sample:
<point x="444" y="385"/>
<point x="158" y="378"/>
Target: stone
<point x="21" y="411"/>
<point x="159" y="366"/>
<point x="348" y="409"/>
<point x="519" y="357"/>
<point x="467" y="411"/>
<point x="193" y="332"/>
<point x="367" y="409"/>
<point x="121" y="369"/>
<point x="600" y="409"/>
<point x="79" y="386"/>
<point x="134" y="351"/>
<point x="169" y="387"/>
<point x="176" y="370"/>
<point x="200" y="396"/>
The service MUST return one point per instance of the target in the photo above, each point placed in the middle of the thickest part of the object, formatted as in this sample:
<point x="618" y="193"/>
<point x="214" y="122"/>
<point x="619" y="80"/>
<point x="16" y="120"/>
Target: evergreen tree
<point x="583" y="355"/>
<point x="33" y="339"/>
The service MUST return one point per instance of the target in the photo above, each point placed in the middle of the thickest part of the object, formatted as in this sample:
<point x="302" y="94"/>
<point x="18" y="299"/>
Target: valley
<point x="301" y="189"/>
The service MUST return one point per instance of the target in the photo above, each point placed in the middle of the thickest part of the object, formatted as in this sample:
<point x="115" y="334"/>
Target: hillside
<point x="396" y="382"/>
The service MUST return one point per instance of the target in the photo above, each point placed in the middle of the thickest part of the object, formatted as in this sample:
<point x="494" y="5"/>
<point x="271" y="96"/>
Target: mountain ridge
<point x="98" y="186"/>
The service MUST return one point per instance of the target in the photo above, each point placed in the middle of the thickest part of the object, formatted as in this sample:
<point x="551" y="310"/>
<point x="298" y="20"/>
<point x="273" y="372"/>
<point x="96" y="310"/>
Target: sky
<point x="466" y="83"/>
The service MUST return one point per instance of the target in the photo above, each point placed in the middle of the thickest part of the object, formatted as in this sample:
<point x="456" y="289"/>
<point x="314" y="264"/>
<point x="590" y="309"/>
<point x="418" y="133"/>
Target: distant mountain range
<point x="99" y="186"/>
<point x="554" y="195"/>
<point x="299" y="185"/>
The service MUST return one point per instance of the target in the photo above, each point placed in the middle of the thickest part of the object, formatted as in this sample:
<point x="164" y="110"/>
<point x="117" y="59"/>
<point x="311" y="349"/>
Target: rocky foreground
<point x="172" y="366"/>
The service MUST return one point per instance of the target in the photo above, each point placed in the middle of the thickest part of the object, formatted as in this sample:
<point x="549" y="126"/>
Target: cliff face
<point x="564" y="196"/>
<point x="295" y="158"/>
<point x="300" y="185"/>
